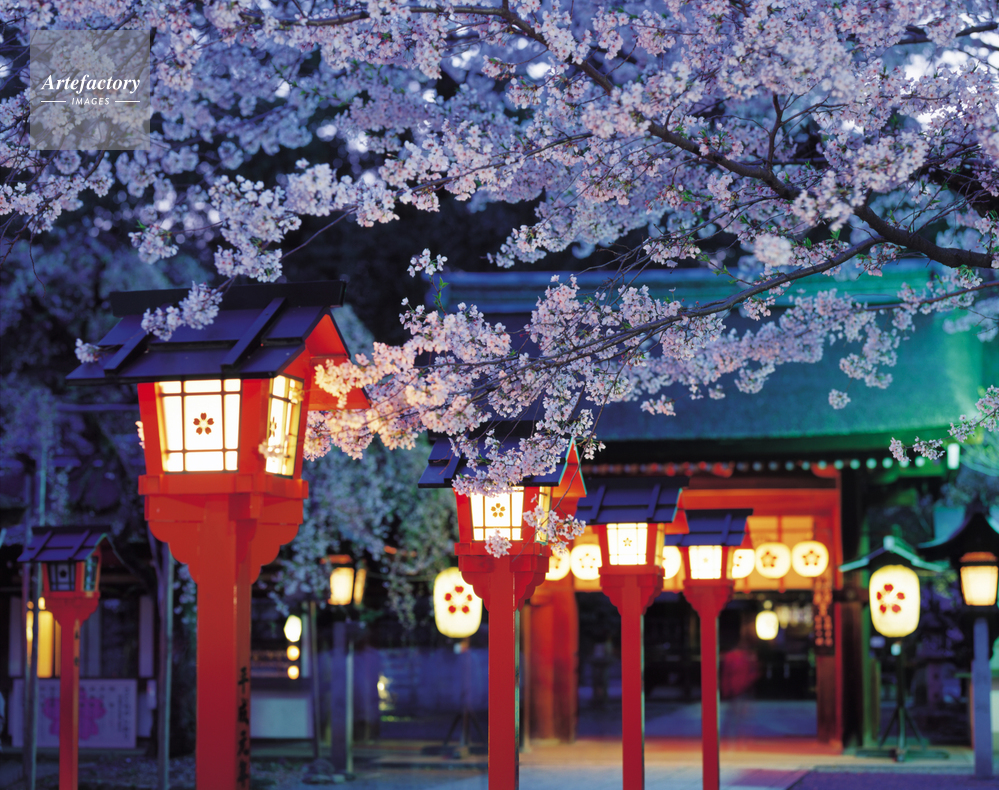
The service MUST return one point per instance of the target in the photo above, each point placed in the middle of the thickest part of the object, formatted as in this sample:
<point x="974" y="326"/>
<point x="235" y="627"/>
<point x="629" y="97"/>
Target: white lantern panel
<point x="672" y="561"/>
<point x="558" y="567"/>
<point x="743" y="562"/>
<point x="809" y="558"/>
<point x="767" y="625"/>
<point x="503" y="513"/>
<point x="978" y="584"/>
<point x="626" y="543"/>
<point x="894" y="592"/>
<point x="585" y="562"/>
<point x="282" y="426"/>
<point x="200" y="425"/>
<point x="341" y="586"/>
<point x="457" y="609"/>
<point x="773" y="560"/>
<point x="705" y="562"/>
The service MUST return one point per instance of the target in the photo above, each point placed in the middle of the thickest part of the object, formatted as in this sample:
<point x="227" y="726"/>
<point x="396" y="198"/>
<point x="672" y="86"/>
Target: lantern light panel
<point x="627" y="543"/>
<point x="584" y="559"/>
<point x="200" y="423"/>
<point x="979" y="578"/>
<point x="810" y="558"/>
<point x="62" y="576"/>
<point x="705" y="562"/>
<point x="360" y="579"/>
<point x="284" y="410"/>
<point x="341" y="586"/>
<point x="558" y="567"/>
<point x="503" y="513"/>
<point x="894" y="591"/>
<point x="767" y="625"/>
<point x="457" y="609"/>
<point x="672" y="561"/>
<point x="743" y="562"/>
<point x="773" y="560"/>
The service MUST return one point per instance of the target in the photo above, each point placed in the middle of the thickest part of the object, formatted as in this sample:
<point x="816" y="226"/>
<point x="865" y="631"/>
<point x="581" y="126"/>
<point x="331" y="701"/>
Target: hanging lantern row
<point x="772" y="560"/>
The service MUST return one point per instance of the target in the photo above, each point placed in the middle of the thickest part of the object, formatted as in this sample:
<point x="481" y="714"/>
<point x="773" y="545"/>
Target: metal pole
<point x="166" y="671"/>
<point x="349" y="707"/>
<point x="317" y="724"/>
<point x="33" y="579"/>
<point x="981" y="679"/>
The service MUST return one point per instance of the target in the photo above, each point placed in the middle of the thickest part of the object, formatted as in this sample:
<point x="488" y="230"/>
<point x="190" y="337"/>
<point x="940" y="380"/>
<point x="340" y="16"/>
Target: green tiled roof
<point x="937" y="377"/>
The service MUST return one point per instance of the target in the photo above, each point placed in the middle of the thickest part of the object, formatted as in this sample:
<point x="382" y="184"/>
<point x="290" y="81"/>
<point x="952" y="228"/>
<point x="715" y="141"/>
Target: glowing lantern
<point x="767" y="625"/>
<point x="672" y="561"/>
<point x="810" y="558"/>
<point x="223" y="411"/>
<point x="502" y="514"/>
<point x="558" y="567"/>
<point x="894" y="591"/>
<point x="979" y="578"/>
<point x="457" y="609"/>
<point x="706" y="562"/>
<point x="293" y="628"/>
<point x="743" y="562"/>
<point x="294" y="653"/>
<point x="584" y="560"/>
<point x="341" y="586"/>
<point x="773" y="560"/>
<point x="629" y="544"/>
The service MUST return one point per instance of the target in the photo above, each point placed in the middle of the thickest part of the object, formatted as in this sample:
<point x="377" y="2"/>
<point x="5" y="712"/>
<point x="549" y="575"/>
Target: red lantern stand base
<point x="70" y="610"/>
<point x="224" y="530"/>
<point x="708" y="597"/>
<point x="632" y="591"/>
<point x="503" y="584"/>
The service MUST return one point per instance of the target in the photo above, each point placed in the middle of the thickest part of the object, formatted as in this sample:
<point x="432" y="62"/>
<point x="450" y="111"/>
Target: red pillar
<point x="632" y="689"/>
<point x="69" y="706"/>
<point x="69" y="610"/>
<point x="708" y="599"/>
<point x="223" y="742"/>
<point x="504" y="685"/>
<point x="632" y="591"/>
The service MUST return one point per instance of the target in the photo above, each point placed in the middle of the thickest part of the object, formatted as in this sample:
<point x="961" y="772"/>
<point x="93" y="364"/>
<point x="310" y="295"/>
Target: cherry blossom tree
<point x="767" y="141"/>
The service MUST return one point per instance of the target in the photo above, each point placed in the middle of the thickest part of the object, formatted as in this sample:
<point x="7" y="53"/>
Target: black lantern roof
<point x="975" y="534"/>
<point x="892" y="551"/>
<point x="443" y="465"/>
<point x="258" y="332"/>
<point x="630" y="500"/>
<point x="63" y="544"/>
<point x="712" y="528"/>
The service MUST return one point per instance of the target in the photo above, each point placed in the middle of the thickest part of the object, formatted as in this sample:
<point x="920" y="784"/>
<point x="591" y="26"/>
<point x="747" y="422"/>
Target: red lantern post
<point x="706" y="548"/>
<point x="505" y="582"/>
<point x="224" y="414"/>
<point x="71" y="567"/>
<point x="630" y="517"/>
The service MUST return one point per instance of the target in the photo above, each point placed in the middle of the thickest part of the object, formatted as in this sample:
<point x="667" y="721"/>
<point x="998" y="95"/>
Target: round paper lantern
<point x="767" y="625"/>
<point x="584" y="560"/>
<point x="558" y="567"/>
<point x="894" y="592"/>
<point x="809" y="558"/>
<point x="773" y="560"/>
<point x="672" y="561"/>
<point x="293" y="628"/>
<point x="743" y="562"/>
<point x="457" y="609"/>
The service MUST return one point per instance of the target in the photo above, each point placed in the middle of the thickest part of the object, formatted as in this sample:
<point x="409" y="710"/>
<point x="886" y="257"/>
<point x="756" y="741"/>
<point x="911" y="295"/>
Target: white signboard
<point x="107" y="713"/>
